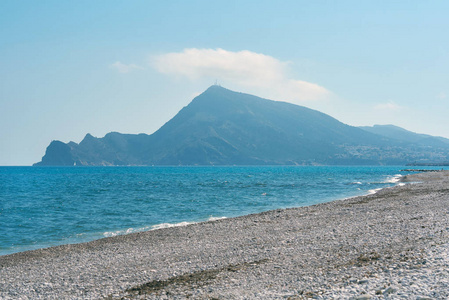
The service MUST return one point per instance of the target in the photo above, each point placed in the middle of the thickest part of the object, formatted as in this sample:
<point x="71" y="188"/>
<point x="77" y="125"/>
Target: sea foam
<point x="154" y="227"/>
<point x="393" y="179"/>
<point x="126" y="231"/>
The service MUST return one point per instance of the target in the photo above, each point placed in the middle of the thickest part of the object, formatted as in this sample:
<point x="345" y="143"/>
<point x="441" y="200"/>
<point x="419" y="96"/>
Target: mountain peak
<point x="215" y="86"/>
<point x="224" y="127"/>
<point x="217" y="89"/>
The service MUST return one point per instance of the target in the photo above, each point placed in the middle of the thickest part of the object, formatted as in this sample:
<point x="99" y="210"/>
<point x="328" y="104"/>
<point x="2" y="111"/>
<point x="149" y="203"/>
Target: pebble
<point x="393" y="244"/>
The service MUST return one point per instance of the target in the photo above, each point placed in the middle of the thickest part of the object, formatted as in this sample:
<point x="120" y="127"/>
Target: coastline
<point x="101" y="202"/>
<point x="391" y="243"/>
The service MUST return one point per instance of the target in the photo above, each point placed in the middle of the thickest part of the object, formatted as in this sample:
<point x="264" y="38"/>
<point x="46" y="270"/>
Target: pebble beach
<point x="393" y="244"/>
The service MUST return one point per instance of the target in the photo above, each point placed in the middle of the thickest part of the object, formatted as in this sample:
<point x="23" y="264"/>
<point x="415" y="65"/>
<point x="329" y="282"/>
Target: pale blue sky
<point x="68" y="68"/>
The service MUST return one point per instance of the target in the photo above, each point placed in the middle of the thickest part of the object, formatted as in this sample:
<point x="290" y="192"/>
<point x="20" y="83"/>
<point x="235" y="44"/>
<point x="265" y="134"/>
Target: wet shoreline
<point x="392" y="243"/>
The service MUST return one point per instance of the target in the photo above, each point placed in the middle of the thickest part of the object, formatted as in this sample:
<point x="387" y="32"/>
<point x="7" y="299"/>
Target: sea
<point x="48" y="206"/>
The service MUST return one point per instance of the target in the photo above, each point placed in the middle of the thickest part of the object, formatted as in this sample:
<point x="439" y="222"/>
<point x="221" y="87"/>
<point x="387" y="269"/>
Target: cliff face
<point x="58" y="154"/>
<point x="222" y="127"/>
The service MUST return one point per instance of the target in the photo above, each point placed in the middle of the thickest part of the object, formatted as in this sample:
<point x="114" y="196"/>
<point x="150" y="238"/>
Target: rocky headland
<point x="223" y="127"/>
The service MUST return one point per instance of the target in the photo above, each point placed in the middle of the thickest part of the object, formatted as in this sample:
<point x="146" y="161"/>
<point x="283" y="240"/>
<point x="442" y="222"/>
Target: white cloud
<point x="246" y="69"/>
<point x="123" y="68"/>
<point x="442" y="96"/>
<point x="389" y="106"/>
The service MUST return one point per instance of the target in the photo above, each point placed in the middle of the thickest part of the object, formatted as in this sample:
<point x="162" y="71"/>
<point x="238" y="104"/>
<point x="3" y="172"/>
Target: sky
<point x="68" y="68"/>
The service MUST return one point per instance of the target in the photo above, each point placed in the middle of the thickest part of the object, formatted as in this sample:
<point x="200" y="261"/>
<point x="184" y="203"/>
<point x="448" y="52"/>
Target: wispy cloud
<point x="442" y="95"/>
<point x="254" y="71"/>
<point x="124" y="68"/>
<point x="389" y="106"/>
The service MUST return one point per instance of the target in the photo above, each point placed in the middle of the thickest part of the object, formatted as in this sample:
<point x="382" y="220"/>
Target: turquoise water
<point x="47" y="206"/>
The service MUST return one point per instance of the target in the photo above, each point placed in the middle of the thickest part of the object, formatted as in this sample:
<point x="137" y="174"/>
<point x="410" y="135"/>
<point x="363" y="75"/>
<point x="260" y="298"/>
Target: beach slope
<point x="394" y="243"/>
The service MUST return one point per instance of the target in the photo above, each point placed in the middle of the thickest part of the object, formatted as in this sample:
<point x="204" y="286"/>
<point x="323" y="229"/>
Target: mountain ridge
<point x="398" y="133"/>
<point x="223" y="127"/>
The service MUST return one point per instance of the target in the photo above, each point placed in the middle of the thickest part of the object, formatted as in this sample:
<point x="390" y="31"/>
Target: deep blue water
<point x="47" y="206"/>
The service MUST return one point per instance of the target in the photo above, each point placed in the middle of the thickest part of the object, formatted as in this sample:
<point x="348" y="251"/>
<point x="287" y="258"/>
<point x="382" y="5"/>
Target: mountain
<point x="223" y="127"/>
<point x="401" y="134"/>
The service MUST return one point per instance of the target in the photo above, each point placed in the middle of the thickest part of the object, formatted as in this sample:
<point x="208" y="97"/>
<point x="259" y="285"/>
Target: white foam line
<point x="373" y="191"/>
<point x="169" y="225"/>
<point x="393" y="179"/>
<point x="155" y="227"/>
<point x="125" y="231"/>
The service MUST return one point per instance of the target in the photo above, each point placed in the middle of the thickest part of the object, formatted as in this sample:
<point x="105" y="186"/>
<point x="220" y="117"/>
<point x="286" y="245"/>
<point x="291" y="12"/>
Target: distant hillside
<point x="400" y="134"/>
<point x="222" y="127"/>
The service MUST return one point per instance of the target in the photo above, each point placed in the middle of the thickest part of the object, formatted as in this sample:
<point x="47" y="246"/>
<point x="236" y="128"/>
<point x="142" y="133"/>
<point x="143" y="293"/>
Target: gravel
<point x="390" y="245"/>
